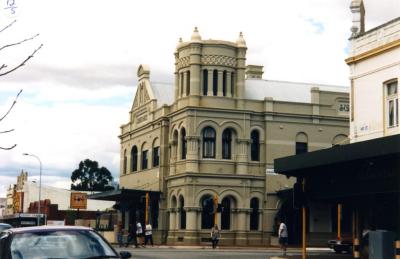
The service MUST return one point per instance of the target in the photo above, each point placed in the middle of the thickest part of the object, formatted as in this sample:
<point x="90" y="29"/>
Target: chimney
<point x="254" y="72"/>
<point x="358" y="13"/>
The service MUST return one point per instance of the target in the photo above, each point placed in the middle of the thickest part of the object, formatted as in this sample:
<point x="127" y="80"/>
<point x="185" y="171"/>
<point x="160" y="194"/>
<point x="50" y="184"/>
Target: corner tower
<point x="210" y="68"/>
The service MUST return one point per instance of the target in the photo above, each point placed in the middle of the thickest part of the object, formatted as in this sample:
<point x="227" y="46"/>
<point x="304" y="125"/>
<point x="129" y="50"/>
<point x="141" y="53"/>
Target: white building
<point x="374" y="62"/>
<point x="28" y="191"/>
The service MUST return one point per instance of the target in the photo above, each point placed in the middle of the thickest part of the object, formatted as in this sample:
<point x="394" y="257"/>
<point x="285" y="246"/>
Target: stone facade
<point x="213" y="135"/>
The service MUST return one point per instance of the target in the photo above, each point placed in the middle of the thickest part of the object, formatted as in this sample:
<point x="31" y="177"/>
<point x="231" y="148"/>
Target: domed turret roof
<point x="195" y="36"/>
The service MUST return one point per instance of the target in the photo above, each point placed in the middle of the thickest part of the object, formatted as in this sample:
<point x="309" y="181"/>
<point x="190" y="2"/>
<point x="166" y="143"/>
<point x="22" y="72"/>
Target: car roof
<point x="47" y="229"/>
<point x="4" y="224"/>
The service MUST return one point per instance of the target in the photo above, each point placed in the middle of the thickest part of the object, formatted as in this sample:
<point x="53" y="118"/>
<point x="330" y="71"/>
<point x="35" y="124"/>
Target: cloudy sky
<point x="79" y="87"/>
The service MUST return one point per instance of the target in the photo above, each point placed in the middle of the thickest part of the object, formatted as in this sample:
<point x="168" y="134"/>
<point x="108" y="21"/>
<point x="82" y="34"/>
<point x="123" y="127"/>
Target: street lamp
<point x="40" y="183"/>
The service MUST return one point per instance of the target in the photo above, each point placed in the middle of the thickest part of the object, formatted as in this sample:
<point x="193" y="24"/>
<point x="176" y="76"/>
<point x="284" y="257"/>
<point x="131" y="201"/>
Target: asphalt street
<point x="226" y="253"/>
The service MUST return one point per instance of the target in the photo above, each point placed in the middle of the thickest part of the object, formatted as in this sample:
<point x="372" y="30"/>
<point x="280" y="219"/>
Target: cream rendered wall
<point x="369" y="77"/>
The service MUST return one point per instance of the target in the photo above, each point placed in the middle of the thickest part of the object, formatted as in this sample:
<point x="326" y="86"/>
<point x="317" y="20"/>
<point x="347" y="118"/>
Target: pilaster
<point x="242" y="158"/>
<point x="220" y="75"/>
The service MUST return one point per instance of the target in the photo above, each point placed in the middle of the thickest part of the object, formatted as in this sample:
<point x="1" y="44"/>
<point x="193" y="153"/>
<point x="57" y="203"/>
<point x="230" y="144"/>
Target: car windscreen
<point x="59" y="244"/>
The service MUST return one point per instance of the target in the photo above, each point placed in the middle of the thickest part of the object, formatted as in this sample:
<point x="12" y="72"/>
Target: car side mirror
<point x="125" y="254"/>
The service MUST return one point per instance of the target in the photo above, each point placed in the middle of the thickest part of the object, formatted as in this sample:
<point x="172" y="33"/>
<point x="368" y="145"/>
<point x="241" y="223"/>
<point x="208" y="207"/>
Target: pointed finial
<point x="240" y="41"/>
<point x="196" y="35"/>
<point x="180" y="41"/>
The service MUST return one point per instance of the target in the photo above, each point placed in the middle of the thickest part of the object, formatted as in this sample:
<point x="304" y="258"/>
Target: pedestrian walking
<point x="148" y="234"/>
<point x="215" y="236"/>
<point x="120" y="235"/>
<point x="283" y="236"/>
<point x="131" y="236"/>
<point x="139" y="233"/>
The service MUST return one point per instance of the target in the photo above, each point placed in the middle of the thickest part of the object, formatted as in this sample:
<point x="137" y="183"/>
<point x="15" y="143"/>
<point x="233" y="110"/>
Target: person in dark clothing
<point x="131" y="236"/>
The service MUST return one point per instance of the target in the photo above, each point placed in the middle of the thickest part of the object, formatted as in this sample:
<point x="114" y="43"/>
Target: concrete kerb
<point x="272" y="248"/>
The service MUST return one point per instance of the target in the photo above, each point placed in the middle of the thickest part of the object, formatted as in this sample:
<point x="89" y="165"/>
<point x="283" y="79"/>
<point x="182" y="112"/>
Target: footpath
<point x="292" y="252"/>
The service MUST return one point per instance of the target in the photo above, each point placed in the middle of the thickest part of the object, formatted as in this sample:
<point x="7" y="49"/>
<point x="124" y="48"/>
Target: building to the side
<point x="23" y="197"/>
<point x="363" y="177"/>
<point x="211" y="138"/>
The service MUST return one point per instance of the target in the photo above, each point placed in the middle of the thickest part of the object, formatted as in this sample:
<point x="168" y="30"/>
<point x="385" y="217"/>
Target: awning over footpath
<point x="300" y="165"/>
<point x="363" y="168"/>
<point x="124" y="195"/>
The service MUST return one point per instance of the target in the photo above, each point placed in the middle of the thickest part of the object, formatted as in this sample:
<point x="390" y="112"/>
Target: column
<point x="191" y="235"/>
<point x="172" y="226"/>
<point x="242" y="219"/>
<point x="210" y="83"/>
<point x="176" y="84"/>
<point x="195" y="73"/>
<point x="220" y="75"/>
<point x="242" y="157"/>
<point x="240" y="76"/>
<point x="192" y="156"/>
<point x="315" y="103"/>
<point x="228" y="84"/>
<point x="172" y="144"/>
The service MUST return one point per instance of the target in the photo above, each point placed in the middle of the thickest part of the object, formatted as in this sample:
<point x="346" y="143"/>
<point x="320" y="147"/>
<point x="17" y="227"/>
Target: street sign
<point x="78" y="200"/>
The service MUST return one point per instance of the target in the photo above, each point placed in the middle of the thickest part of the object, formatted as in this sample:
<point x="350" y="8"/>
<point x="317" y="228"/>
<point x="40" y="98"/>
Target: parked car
<point x="342" y="245"/>
<point x="4" y="226"/>
<point x="55" y="242"/>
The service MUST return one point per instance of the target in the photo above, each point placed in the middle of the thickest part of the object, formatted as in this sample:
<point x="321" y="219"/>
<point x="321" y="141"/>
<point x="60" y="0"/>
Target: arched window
<point x="232" y="83"/>
<point x="209" y="143"/>
<point x="215" y="82"/>
<point x="255" y="145"/>
<point x="301" y="143"/>
<point x="340" y="139"/>
<point x="175" y="145"/>
<point x="226" y="213"/>
<point x="182" y="213"/>
<point x="224" y="83"/>
<point x="254" y="218"/>
<point x="144" y="159"/>
<point x="227" y="144"/>
<point x="205" y="81"/>
<point x="207" y="212"/>
<point x="125" y="162"/>
<point x="156" y="156"/>
<point x="187" y="83"/>
<point x="183" y="143"/>
<point x="134" y="155"/>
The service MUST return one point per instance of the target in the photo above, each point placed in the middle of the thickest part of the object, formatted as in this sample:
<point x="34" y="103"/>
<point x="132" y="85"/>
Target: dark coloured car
<point x="55" y="242"/>
<point x="4" y="226"/>
<point x="340" y="246"/>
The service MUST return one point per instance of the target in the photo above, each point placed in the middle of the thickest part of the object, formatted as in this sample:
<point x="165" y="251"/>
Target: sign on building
<point x="78" y="200"/>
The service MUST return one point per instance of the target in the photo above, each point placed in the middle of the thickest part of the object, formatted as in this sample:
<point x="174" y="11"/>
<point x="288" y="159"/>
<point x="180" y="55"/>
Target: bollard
<point x="397" y="245"/>
<point x="356" y="248"/>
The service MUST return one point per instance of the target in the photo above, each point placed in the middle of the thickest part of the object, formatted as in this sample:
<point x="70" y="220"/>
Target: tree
<point x="5" y="69"/>
<point x="10" y="130"/>
<point x="89" y="177"/>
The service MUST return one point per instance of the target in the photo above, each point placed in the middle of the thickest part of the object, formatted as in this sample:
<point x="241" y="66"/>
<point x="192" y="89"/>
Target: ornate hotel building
<point x="212" y="137"/>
